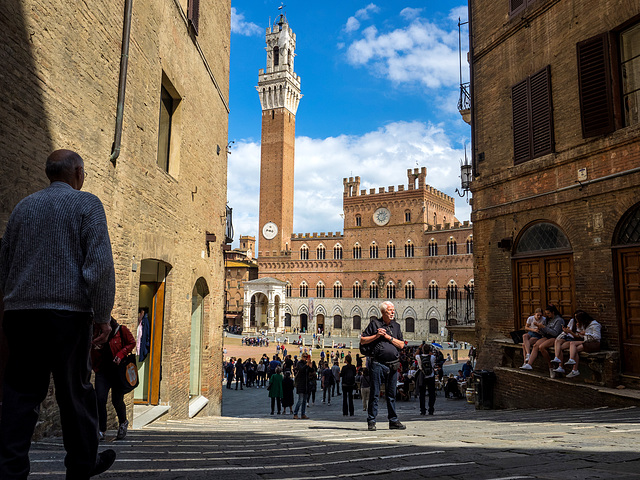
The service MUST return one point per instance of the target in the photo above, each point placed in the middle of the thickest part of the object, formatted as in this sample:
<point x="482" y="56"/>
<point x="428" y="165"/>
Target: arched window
<point x="470" y="245"/>
<point x="287" y="319"/>
<point x="407" y="216"/>
<point x="337" y="252"/>
<point x="358" y="221"/>
<point x="304" y="252"/>
<point x="357" y="290"/>
<point x="320" y="252"/>
<point x="337" y="321"/>
<point x="357" y="322"/>
<point x="452" y="290"/>
<point x="337" y="290"/>
<point x="543" y="271"/>
<point x="452" y="246"/>
<point x="357" y="251"/>
<point x="276" y="56"/>
<point x="391" y="250"/>
<point x="433" y="326"/>
<point x="320" y="290"/>
<point x="391" y="290"/>
<point x="288" y="289"/>
<point x="410" y="325"/>
<point x="433" y="248"/>
<point x="433" y="290"/>
<point x="408" y="249"/>
<point x="373" y="250"/>
<point x="373" y="290"/>
<point x="409" y="290"/>
<point x="304" y="290"/>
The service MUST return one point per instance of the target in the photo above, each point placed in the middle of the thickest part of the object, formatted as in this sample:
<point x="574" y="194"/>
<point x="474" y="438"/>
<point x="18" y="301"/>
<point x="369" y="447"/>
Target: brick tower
<point x="279" y="91"/>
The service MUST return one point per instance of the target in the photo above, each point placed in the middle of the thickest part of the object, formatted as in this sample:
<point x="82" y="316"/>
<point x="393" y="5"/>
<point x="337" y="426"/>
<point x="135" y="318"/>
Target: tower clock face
<point x="269" y="230"/>
<point x="381" y="216"/>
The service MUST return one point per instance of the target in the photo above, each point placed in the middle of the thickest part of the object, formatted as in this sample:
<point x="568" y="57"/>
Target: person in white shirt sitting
<point x="587" y="338"/>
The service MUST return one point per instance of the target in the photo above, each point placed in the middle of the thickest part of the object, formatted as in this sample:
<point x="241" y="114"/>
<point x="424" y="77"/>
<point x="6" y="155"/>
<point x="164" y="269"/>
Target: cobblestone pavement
<point x="458" y="442"/>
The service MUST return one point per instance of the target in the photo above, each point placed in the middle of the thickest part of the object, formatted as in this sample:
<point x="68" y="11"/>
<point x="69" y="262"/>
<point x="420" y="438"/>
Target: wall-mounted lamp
<point x="466" y="176"/>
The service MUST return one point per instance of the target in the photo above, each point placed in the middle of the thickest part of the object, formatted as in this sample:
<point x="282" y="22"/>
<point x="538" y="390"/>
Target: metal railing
<point x="460" y="306"/>
<point x="464" y="102"/>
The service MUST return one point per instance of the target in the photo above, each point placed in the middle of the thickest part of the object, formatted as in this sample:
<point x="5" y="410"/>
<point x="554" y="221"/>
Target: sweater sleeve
<point x="98" y="270"/>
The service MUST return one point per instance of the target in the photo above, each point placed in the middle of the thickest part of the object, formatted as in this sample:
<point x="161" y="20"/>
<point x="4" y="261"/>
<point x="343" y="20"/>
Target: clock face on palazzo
<point x="269" y="230"/>
<point x="381" y="216"/>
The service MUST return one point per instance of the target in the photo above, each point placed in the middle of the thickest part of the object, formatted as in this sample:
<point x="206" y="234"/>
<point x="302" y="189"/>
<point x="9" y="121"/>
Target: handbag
<point x="128" y="371"/>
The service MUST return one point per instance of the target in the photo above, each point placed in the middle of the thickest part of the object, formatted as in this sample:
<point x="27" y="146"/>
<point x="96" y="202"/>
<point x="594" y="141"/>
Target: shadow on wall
<point x="25" y="140"/>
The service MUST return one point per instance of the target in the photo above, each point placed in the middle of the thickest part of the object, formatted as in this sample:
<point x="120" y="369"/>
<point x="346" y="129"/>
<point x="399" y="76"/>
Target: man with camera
<point x="382" y="341"/>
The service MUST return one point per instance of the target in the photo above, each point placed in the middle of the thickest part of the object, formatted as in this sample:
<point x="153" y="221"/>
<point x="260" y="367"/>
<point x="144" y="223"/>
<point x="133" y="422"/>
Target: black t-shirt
<point x="385" y="351"/>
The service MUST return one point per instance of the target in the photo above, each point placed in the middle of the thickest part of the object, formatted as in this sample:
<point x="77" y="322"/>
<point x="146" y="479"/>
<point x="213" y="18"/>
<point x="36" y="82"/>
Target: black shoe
<point x="104" y="462"/>
<point x="122" y="430"/>
<point x="430" y="413"/>
<point x="396" y="425"/>
<point x="371" y="426"/>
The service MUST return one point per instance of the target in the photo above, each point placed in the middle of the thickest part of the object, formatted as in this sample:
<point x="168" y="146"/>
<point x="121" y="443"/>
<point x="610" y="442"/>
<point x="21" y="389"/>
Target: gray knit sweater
<point x="56" y="254"/>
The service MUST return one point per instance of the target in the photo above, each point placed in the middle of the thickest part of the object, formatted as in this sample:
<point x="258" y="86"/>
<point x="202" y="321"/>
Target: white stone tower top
<point x="279" y="86"/>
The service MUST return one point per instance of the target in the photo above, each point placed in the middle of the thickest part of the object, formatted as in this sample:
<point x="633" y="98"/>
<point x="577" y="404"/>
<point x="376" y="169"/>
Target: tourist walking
<point x="58" y="282"/>
<point x="302" y="386"/>
<point x="275" y="389"/>
<point x="348" y="376"/>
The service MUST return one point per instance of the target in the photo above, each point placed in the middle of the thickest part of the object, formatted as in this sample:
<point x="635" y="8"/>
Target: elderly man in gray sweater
<point x="58" y="284"/>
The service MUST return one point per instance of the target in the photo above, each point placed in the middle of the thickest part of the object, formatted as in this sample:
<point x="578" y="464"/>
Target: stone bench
<point x="599" y="368"/>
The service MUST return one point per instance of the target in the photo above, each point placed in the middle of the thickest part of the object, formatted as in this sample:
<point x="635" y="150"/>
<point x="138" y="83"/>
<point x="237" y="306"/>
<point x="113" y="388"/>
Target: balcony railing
<point x="460" y="306"/>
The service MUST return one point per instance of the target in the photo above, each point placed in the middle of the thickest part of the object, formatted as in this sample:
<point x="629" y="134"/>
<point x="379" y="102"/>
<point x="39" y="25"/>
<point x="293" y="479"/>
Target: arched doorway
<point x="259" y="311"/>
<point x="320" y="323"/>
<point x="304" y="322"/>
<point x="200" y="291"/>
<point x="287" y="320"/>
<point x="151" y="295"/>
<point x="626" y="246"/>
<point x="543" y="270"/>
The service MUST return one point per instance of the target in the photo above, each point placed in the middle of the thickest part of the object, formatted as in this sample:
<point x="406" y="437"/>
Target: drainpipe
<point x="122" y="82"/>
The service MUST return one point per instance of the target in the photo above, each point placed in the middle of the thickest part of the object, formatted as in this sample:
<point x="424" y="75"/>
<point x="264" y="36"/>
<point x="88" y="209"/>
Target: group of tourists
<point x="543" y="331"/>
<point x="255" y="341"/>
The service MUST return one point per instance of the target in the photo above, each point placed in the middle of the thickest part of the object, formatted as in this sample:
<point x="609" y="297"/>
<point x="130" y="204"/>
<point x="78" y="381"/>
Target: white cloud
<point x="459" y="12"/>
<point x="240" y="26"/>
<point x="420" y="53"/>
<point x="410" y="13"/>
<point x="380" y="158"/>
<point x="352" y="25"/>
<point x="363" y="13"/>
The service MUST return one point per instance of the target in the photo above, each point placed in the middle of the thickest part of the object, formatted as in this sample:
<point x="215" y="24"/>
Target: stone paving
<point x="458" y="442"/>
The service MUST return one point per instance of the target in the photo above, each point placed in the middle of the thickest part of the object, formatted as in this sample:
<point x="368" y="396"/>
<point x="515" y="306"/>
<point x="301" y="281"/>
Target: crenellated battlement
<point x="315" y="235"/>
<point x="448" y="226"/>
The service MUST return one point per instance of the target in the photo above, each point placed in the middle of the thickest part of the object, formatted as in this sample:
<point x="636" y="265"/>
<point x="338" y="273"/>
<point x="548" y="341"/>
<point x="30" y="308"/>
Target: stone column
<point x="246" y="316"/>
<point x="270" y="316"/>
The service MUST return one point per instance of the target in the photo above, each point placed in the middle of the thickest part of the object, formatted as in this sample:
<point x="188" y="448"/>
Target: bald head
<point x="65" y="166"/>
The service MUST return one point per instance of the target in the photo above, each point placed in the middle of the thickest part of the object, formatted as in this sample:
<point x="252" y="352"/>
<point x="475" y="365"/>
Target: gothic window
<point x="391" y="250"/>
<point x="373" y="250"/>
<point x="433" y="248"/>
<point x="320" y="290"/>
<point x="433" y="326"/>
<point x="407" y="216"/>
<point x="373" y="290"/>
<point x="452" y="247"/>
<point x="433" y="290"/>
<point x="276" y="56"/>
<point x="408" y="249"/>
<point x="337" y="321"/>
<point x="320" y="252"/>
<point x="357" y="290"/>
<point x="304" y="253"/>
<point x="358" y="221"/>
<point x="410" y="325"/>
<point x="337" y="252"/>
<point x="357" y="251"/>
<point x="288" y="290"/>
<point x="470" y="245"/>
<point x="357" y="322"/>
<point x="391" y="290"/>
<point x="337" y="290"/>
<point x="304" y="290"/>
<point x="409" y="290"/>
<point x="452" y="290"/>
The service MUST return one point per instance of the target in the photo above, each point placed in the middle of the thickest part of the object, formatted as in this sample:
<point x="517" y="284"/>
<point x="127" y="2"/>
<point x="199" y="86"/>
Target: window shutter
<point x="515" y="6"/>
<point x="193" y="14"/>
<point x="541" y="113"/>
<point x="521" y="130"/>
<point x="594" y="84"/>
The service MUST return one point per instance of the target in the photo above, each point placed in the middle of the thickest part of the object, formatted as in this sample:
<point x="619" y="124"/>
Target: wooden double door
<point x="541" y="281"/>
<point x="628" y="273"/>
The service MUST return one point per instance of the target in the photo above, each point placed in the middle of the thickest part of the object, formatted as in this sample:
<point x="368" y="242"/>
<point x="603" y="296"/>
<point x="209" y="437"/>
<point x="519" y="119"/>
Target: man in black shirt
<point x="386" y="341"/>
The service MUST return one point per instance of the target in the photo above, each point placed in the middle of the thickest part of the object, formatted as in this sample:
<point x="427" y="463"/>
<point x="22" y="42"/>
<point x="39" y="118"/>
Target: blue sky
<point x="380" y="85"/>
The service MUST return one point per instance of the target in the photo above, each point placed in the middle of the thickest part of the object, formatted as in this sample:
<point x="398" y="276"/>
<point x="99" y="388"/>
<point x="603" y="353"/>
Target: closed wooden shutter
<point x="521" y="126"/>
<point x="541" y="113"/>
<point x="193" y="14"/>
<point x="594" y="84"/>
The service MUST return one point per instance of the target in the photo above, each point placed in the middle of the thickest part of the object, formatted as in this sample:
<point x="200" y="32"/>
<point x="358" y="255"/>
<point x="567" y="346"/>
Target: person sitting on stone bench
<point x="562" y="341"/>
<point x="452" y="388"/>
<point x="555" y="322"/>
<point x="586" y="338"/>
<point x="533" y="335"/>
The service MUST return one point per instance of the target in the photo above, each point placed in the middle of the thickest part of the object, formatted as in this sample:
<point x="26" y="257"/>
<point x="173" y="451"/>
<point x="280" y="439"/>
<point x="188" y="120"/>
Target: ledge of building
<point x="145" y="414"/>
<point x="463" y="333"/>
<point x="196" y="404"/>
